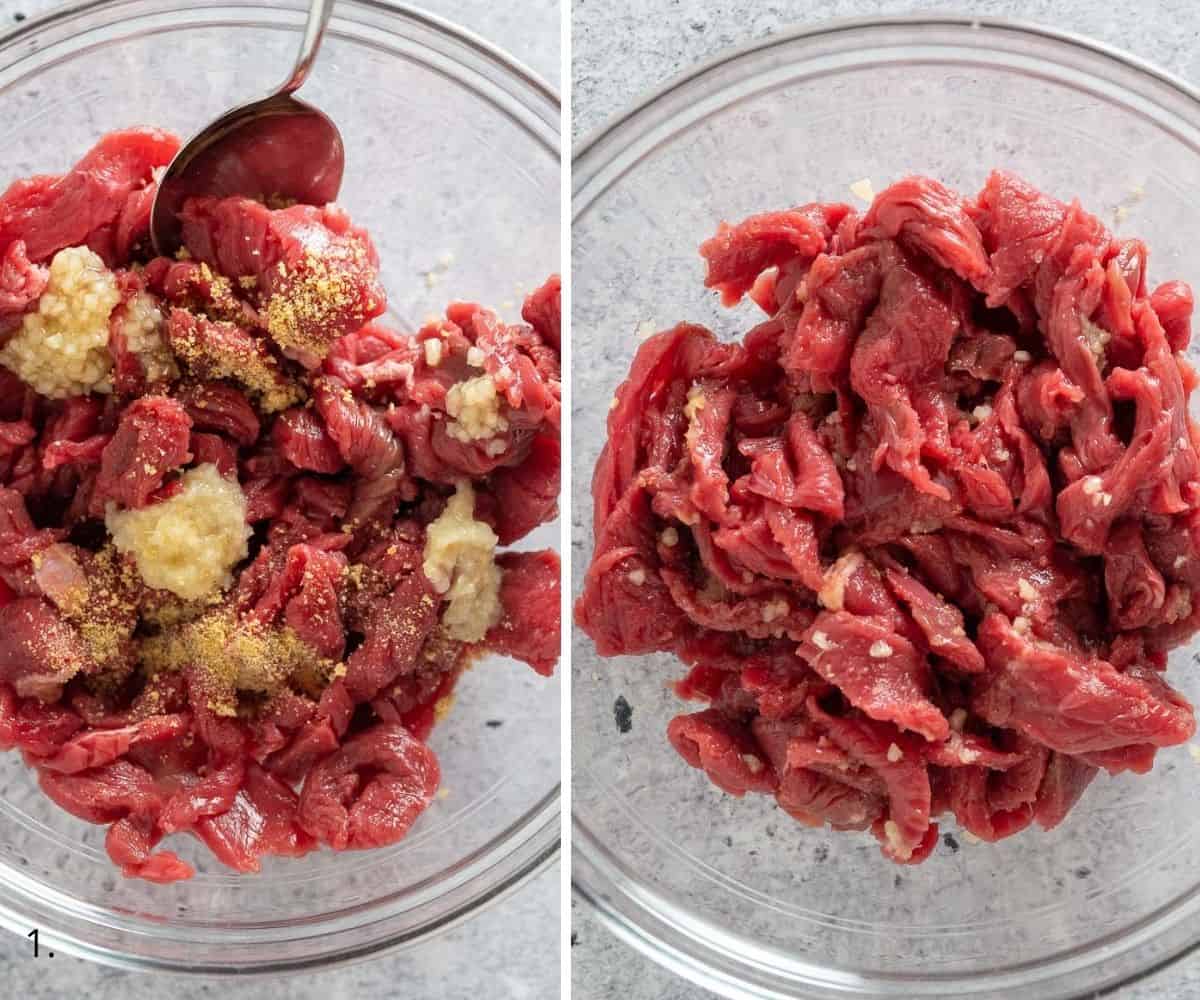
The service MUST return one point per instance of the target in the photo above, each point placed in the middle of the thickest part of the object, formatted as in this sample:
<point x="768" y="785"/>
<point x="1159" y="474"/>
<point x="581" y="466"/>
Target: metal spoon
<point x="277" y="148"/>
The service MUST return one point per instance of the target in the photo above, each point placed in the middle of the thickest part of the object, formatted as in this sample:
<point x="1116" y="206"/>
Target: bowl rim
<point x="631" y="911"/>
<point x="69" y="9"/>
<point x="599" y="134"/>
<point x="530" y="844"/>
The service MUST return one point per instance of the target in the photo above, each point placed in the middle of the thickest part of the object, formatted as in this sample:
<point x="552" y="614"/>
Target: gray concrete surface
<point x="507" y="953"/>
<point x="624" y="48"/>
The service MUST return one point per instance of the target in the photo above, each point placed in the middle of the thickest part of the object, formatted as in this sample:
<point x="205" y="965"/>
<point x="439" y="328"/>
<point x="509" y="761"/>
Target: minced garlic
<point x="863" y="189"/>
<point x="895" y="840"/>
<point x="476" y="408"/>
<point x="460" y="563"/>
<point x="61" y="349"/>
<point x="190" y="543"/>
<point x="142" y="328"/>
<point x="775" y="608"/>
<point x="1097" y="338"/>
<point x="832" y="594"/>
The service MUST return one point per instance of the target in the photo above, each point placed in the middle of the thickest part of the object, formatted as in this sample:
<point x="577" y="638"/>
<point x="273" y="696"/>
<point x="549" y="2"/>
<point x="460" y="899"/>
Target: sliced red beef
<point x="32" y="726"/>
<point x="396" y="629"/>
<point x="216" y="406"/>
<point x="840" y="291"/>
<point x="1173" y="303"/>
<point x="1019" y="226"/>
<point x="737" y="255"/>
<point x="88" y="203"/>
<point x="313" y="612"/>
<point x="526" y="495"/>
<point x="625" y="606"/>
<point x="726" y="751"/>
<point x="904" y="344"/>
<point x="15" y="436"/>
<point x="102" y="746"/>
<point x="418" y="712"/>
<point x="213" y="739"/>
<point x="976" y="812"/>
<point x="21" y="283"/>
<point x="301" y="437"/>
<point x="879" y="671"/>
<point x="150" y="442"/>
<point x="262" y="821"/>
<point x="1136" y="589"/>
<point x="815" y="778"/>
<point x="39" y="651"/>
<point x="377" y="358"/>
<point x="542" y="310"/>
<point x="73" y="437"/>
<point x="529" y="594"/>
<point x="130" y="844"/>
<point x="794" y="470"/>
<point x="105" y="794"/>
<point x="213" y="449"/>
<point x="196" y="288"/>
<point x="368" y="446"/>
<point x="904" y="775"/>
<point x="524" y="370"/>
<point x="940" y="621"/>
<point x="316" y="275"/>
<point x="642" y="421"/>
<point x="1066" y="779"/>
<point x="955" y="465"/>
<point x="1071" y="702"/>
<point x="371" y="791"/>
<point x="210" y="794"/>
<point x="214" y="349"/>
<point x="933" y="219"/>
<point x="314" y="741"/>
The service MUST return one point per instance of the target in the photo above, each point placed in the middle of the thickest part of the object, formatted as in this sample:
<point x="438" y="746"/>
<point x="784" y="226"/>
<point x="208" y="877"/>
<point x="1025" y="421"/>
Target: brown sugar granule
<point x="102" y="604"/>
<point x="109" y="616"/>
<point x="237" y="655"/>
<point x="225" y="350"/>
<point x="220" y="291"/>
<point x="314" y="298"/>
<point x="59" y="644"/>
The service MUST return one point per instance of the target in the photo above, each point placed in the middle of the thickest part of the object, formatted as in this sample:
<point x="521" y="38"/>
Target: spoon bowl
<point x="279" y="150"/>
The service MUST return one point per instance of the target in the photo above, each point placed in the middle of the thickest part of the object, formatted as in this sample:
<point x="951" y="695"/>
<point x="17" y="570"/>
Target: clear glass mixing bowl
<point x="451" y="148"/>
<point x="732" y="893"/>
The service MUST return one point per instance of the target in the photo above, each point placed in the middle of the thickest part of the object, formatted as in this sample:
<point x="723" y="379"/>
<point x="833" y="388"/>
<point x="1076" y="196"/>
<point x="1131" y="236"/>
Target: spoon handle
<point x="319" y="12"/>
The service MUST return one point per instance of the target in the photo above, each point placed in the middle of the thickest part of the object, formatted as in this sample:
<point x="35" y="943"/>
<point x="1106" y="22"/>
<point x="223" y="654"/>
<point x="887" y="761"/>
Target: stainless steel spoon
<point x="277" y="148"/>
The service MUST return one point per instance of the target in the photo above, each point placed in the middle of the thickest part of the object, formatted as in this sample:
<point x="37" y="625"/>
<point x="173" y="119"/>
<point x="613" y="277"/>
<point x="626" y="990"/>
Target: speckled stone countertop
<point x="507" y="953"/>
<point x="623" y="48"/>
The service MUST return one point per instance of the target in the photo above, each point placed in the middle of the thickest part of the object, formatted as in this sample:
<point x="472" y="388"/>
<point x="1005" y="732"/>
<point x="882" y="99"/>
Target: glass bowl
<point x="732" y="893"/>
<point x="451" y="148"/>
